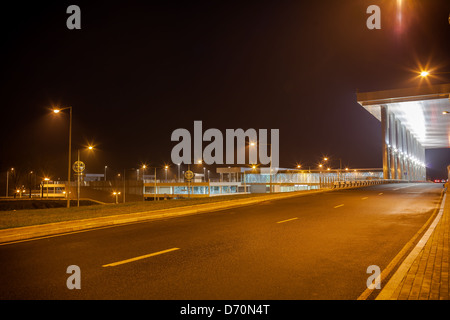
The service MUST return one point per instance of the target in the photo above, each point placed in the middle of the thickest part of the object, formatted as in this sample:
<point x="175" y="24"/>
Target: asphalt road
<point x="308" y="247"/>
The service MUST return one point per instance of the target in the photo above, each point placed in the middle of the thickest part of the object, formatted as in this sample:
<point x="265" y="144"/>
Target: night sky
<point x="138" y="70"/>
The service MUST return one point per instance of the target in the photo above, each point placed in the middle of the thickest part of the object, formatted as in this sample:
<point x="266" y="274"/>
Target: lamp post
<point x="58" y="110"/>
<point x="165" y="168"/>
<point x="340" y="167"/>
<point x="105" y="172"/>
<point x="47" y="180"/>
<point x="252" y="144"/>
<point x="143" y="182"/>
<point x="7" y="180"/>
<point x="79" y="173"/>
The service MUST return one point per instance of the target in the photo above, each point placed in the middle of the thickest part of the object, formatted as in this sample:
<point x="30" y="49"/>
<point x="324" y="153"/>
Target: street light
<point x="252" y="144"/>
<point x="426" y="73"/>
<point x="7" y="180"/>
<point x="143" y="171"/>
<point x="56" y="111"/>
<point x="47" y="179"/>
<point x="165" y="168"/>
<point x="79" y="174"/>
<point x="117" y="196"/>
<point x="340" y="167"/>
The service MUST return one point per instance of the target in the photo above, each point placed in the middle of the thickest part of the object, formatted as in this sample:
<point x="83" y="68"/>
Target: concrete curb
<point x="30" y="232"/>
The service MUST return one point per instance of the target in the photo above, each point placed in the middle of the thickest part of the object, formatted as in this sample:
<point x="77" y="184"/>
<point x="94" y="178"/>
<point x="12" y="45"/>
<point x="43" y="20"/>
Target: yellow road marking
<point x="287" y="220"/>
<point x="340" y="205"/>
<point x="139" y="258"/>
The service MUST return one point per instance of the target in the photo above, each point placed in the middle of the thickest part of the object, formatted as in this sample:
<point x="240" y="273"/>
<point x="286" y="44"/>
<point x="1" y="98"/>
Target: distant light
<point x="166" y="167"/>
<point x="325" y="159"/>
<point x="56" y="110"/>
<point x="144" y="166"/>
<point x="328" y="169"/>
<point x="90" y="147"/>
<point x="46" y="179"/>
<point x="199" y="161"/>
<point x="254" y="167"/>
<point x="445" y="112"/>
<point x="298" y="166"/>
<point x="252" y="144"/>
<point x="424" y="73"/>
<point x="346" y="169"/>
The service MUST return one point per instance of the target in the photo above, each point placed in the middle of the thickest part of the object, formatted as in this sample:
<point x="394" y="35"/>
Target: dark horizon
<point x="136" y="71"/>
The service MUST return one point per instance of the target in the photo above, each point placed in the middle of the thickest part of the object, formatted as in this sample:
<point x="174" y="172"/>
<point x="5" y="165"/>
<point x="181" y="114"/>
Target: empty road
<point x="308" y="247"/>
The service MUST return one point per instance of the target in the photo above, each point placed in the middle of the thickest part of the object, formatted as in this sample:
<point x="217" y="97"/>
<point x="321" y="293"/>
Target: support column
<point x="385" y="141"/>
<point x="398" y="171"/>
<point x="408" y="154"/>
<point x="404" y="154"/>
<point x="392" y="162"/>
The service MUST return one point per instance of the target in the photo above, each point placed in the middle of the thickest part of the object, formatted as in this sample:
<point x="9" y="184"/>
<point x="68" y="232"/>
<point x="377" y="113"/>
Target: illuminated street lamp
<point x="270" y="173"/>
<point x="79" y="174"/>
<point x="165" y="168"/>
<point x="143" y="171"/>
<point x="7" y="180"/>
<point x="47" y="180"/>
<point x="56" y="111"/>
<point x="117" y="196"/>
<point x="425" y="73"/>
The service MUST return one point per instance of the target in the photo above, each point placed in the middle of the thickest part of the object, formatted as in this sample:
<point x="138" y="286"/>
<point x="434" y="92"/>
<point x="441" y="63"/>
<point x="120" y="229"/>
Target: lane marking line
<point x="139" y="258"/>
<point x="287" y="220"/>
<point x="364" y="198"/>
<point x="380" y="193"/>
<point x="338" y="206"/>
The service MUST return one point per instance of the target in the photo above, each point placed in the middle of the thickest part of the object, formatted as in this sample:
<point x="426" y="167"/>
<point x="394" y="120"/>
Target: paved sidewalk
<point x="424" y="274"/>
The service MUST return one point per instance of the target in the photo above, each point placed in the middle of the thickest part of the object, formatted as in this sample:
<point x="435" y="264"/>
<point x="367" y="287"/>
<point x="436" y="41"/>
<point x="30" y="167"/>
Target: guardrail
<point x="363" y="183"/>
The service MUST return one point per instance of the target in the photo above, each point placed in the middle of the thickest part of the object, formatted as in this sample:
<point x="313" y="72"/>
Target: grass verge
<point x="22" y="218"/>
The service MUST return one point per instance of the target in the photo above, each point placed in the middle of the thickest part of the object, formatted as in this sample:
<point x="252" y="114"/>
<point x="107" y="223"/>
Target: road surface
<point x="309" y="247"/>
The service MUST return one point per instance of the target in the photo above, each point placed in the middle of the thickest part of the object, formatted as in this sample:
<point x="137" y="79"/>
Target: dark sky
<point x="137" y="70"/>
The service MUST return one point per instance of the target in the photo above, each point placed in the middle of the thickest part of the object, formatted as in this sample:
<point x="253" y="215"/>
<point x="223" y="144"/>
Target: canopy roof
<point x="424" y="111"/>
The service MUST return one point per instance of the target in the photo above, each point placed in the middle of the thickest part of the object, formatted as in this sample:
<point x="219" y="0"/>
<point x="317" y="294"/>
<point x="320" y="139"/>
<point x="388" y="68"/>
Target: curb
<point x="56" y="228"/>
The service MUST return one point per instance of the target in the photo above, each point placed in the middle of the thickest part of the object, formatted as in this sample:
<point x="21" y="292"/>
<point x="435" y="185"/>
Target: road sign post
<point x="78" y="166"/>
<point x="188" y="175"/>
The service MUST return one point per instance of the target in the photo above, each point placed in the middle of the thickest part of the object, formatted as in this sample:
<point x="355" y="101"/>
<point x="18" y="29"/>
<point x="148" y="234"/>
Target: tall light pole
<point x="252" y="144"/>
<point x="165" y="168"/>
<point x="79" y="174"/>
<point x="340" y="167"/>
<point x="143" y="182"/>
<point x="47" y="180"/>
<point x="7" y="181"/>
<point x="58" y="110"/>
<point x="105" y="171"/>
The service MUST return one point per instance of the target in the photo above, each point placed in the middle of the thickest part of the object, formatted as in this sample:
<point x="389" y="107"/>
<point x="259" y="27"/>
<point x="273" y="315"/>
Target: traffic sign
<point x="78" y="166"/>
<point x="188" y="175"/>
